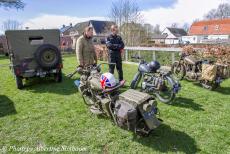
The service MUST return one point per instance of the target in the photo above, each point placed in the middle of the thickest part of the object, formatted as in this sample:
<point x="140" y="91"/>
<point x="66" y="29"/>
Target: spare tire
<point x="48" y="56"/>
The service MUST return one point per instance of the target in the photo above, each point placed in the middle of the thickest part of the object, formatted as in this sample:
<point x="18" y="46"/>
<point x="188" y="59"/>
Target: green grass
<point x="53" y="114"/>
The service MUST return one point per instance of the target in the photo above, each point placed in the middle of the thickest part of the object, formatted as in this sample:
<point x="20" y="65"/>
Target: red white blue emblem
<point x="104" y="82"/>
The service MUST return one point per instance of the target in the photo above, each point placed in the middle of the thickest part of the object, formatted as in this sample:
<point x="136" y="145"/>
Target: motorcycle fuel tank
<point x="190" y="60"/>
<point x="144" y="68"/>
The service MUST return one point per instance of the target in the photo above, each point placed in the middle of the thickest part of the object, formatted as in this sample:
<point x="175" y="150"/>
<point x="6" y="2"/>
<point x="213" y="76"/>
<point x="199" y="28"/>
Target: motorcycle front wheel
<point x="85" y="95"/>
<point x="136" y="80"/>
<point x="166" y="93"/>
<point x="178" y="70"/>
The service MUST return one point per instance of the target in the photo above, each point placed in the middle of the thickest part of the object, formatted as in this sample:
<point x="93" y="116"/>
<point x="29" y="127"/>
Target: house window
<point x="217" y="27"/>
<point x="205" y="28"/>
<point x="36" y="40"/>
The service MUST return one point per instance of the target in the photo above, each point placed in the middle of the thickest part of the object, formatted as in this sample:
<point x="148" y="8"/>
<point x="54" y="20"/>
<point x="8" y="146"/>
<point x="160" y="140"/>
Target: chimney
<point x="63" y="26"/>
<point x="71" y="24"/>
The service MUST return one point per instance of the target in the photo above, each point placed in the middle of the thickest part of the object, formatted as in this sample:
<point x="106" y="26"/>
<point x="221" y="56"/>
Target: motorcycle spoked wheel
<point x="178" y="70"/>
<point x="85" y="96"/>
<point x="166" y="94"/>
<point x="136" y="80"/>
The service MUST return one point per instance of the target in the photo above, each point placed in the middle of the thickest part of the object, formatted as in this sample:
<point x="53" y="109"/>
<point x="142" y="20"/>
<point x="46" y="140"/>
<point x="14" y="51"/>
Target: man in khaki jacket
<point x="85" y="51"/>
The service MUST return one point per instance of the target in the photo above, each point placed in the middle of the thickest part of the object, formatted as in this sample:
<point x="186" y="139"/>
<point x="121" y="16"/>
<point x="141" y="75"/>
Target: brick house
<point x="3" y="45"/>
<point x="65" y="40"/>
<point x="209" y="31"/>
<point x="65" y="30"/>
<point x="101" y="29"/>
<point x="66" y="43"/>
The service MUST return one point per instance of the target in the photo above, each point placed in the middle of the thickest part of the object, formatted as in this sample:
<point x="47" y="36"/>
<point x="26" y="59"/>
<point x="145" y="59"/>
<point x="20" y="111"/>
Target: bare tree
<point x="18" y="4"/>
<point x="186" y="27"/>
<point x="156" y="29"/>
<point x="174" y="25"/>
<point x="124" y="11"/>
<point x="11" y="25"/>
<point x="223" y="11"/>
<point x="126" y="14"/>
<point x="148" y="29"/>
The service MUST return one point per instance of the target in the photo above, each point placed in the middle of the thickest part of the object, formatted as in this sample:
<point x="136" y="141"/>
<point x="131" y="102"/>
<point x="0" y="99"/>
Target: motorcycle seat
<point x="191" y="60"/>
<point x="119" y="85"/>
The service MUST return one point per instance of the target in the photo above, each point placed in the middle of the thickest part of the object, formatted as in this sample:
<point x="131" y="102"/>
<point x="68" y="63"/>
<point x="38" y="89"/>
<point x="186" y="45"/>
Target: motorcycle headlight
<point x="79" y="70"/>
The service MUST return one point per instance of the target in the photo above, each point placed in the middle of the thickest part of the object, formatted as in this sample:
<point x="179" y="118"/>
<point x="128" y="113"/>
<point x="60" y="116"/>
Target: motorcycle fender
<point x="152" y="122"/>
<point x="136" y="76"/>
<point x="179" y="62"/>
<point x="150" y="118"/>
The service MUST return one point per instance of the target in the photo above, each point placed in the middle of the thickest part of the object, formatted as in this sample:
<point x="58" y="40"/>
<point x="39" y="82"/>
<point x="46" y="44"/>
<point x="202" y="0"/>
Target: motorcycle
<point x="190" y="68"/>
<point x="155" y="81"/>
<point x="132" y="110"/>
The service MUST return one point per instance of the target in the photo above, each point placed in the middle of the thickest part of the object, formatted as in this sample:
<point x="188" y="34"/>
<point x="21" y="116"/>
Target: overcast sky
<point x="55" y="13"/>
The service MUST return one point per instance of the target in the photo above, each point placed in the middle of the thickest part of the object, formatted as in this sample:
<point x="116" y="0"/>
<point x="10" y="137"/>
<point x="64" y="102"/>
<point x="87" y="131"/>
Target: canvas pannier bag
<point x="209" y="72"/>
<point x="224" y="71"/>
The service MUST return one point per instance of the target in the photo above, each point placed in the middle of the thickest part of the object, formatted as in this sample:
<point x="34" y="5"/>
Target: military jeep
<point x="34" y="53"/>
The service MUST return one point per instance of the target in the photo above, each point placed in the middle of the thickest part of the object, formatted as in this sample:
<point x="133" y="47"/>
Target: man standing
<point x="85" y="52"/>
<point x="115" y="45"/>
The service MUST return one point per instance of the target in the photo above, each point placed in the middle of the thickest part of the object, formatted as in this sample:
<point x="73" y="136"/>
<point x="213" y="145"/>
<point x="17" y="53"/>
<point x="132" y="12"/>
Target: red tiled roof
<point x="211" y="27"/>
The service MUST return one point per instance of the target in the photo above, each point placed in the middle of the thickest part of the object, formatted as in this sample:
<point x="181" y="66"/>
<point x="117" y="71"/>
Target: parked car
<point x="34" y="53"/>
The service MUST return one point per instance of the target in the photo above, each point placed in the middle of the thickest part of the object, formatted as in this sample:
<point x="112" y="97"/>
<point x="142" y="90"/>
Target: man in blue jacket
<point x="115" y="46"/>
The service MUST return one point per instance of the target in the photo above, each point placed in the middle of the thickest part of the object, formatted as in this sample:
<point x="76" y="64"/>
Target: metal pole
<point x="126" y="55"/>
<point x="154" y="55"/>
<point x="173" y="57"/>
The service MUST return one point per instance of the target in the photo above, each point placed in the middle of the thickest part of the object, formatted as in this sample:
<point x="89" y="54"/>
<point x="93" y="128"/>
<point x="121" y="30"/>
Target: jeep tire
<point x="48" y="56"/>
<point x="19" y="82"/>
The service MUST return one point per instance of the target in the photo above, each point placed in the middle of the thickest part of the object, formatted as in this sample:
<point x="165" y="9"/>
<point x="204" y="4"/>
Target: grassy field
<point x="49" y="114"/>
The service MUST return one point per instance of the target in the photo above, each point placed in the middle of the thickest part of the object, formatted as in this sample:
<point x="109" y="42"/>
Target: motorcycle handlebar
<point x="72" y="74"/>
<point x="87" y="69"/>
<point x="137" y="57"/>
